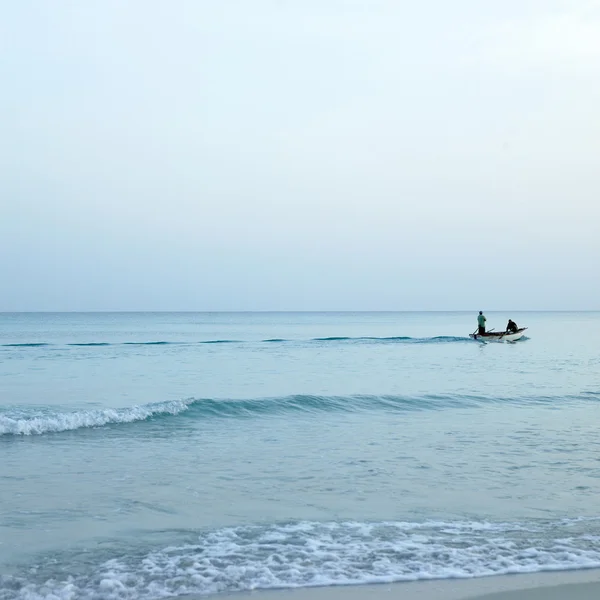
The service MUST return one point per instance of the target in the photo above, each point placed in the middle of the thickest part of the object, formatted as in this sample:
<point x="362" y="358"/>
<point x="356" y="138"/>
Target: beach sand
<point x="574" y="585"/>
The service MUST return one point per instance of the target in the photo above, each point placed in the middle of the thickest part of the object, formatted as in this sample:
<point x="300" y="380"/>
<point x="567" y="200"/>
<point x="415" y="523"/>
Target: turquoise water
<point x="159" y="454"/>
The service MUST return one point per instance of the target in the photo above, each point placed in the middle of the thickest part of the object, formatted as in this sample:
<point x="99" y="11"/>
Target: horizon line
<point x="331" y="311"/>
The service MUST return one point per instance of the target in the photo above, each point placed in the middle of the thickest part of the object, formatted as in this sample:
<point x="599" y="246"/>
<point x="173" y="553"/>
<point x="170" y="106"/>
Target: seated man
<point x="511" y="327"/>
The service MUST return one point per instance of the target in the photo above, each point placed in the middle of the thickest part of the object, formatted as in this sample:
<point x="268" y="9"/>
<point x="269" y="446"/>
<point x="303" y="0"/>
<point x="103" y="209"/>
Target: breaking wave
<point x="40" y="423"/>
<point x="308" y="554"/>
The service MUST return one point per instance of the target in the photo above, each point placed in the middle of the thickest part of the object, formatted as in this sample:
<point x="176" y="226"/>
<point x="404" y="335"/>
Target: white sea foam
<point x="316" y="554"/>
<point x="68" y="421"/>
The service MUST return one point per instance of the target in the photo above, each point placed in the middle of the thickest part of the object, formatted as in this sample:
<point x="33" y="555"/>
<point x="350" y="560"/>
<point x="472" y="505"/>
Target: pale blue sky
<point x="314" y="155"/>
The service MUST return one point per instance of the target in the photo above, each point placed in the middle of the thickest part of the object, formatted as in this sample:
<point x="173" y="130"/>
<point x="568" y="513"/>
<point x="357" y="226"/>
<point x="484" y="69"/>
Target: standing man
<point x="481" y="323"/>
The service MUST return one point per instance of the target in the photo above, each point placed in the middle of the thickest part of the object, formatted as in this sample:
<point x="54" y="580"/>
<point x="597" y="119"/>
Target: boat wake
<point x="441" y="339"/>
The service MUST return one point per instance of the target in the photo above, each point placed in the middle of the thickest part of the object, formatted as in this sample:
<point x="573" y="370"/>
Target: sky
<point x="314" y="155"/>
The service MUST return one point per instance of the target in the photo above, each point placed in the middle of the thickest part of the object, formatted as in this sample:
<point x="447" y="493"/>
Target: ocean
<point x="152" y="455"/>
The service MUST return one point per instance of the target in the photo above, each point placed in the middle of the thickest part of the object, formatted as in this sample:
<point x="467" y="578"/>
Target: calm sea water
<point x="152" y="455"/>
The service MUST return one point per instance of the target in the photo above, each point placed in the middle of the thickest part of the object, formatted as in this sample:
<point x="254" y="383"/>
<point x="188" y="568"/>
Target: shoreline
<point x="581" y="584"/>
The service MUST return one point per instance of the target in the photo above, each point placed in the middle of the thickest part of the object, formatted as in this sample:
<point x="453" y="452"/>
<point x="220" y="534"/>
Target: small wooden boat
<point x="499" y="336"/>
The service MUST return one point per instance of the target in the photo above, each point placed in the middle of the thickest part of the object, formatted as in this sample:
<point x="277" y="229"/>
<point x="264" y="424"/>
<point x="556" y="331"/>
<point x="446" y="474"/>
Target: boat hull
<point x="500" y="336"/>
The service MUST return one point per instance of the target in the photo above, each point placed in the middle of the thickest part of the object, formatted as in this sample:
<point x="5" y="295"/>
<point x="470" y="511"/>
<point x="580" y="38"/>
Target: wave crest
<point x="19" y="424"/>
<point x="70" y="421"/>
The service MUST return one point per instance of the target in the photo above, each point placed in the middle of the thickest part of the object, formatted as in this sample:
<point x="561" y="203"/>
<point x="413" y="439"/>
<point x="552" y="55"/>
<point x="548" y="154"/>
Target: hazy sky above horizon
<point x="314" y="155"/>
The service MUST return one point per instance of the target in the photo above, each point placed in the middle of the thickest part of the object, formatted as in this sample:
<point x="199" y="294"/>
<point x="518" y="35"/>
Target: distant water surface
<point x="145" y="455"/>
